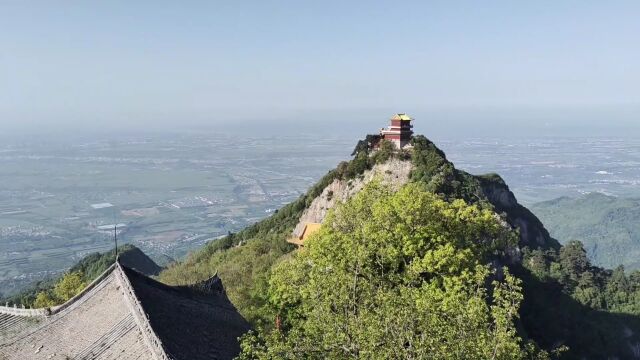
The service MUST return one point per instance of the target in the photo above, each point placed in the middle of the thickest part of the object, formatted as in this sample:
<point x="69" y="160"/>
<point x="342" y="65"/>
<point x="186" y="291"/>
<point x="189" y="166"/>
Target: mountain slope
<point x="243" y="260"/>
<point x="608" y="226"/>
<point x="404" y="262"/>
<point x="559" y="283"/>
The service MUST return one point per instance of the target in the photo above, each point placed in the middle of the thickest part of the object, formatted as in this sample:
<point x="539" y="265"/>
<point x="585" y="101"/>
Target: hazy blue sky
<point x="174" y="63"/>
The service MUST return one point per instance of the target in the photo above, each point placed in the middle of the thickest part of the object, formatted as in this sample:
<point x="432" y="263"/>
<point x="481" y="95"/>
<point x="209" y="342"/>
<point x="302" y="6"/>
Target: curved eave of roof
<point x="192" y="322"/>
<point x="402" y="116"/>
<point x="47" y="312"/>
<point x="210" y="286"/>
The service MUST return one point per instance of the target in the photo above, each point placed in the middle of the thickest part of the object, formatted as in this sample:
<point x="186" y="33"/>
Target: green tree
<point x="618" y="288"/>
<point x="574" y="260"/>
<point x="395" y="276"/>
<point x="536" y="262"/>
<point x="587" y="291"/>
<point x="44" y="300"/>
<point x="69" y="286"/>
<point x="385" y="151"/>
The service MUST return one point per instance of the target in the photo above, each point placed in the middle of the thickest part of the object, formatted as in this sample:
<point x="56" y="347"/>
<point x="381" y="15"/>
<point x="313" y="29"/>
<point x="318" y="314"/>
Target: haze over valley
<point x="265" y="180"/>
<point x="170" y="193"/>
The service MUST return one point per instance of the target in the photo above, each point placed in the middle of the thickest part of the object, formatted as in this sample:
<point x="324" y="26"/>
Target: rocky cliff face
<point x="532" y="231"/>
<point x="488" y="189"/>
<point x="393" y="172"/>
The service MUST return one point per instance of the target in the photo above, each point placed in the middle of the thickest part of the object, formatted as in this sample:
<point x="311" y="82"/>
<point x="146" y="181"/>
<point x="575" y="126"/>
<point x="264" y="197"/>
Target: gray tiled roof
<point x="126" y="315"/>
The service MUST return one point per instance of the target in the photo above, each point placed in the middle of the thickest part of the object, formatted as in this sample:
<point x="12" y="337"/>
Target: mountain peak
<point x="420" y="160"/>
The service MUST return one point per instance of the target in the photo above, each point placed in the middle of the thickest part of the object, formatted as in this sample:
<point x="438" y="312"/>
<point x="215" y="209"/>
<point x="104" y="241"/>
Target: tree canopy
<point x="67" y="287"/>
<point x="396" y="276"/>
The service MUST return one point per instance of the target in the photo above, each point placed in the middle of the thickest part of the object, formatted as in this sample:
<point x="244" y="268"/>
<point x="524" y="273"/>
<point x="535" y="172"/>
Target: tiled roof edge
<point x="56" y="309"/>
<point x="96" y="281"/>
<point x="150" y="337"/>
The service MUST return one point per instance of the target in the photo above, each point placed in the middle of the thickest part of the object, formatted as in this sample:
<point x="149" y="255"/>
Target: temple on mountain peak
<point x="399" y="131"/>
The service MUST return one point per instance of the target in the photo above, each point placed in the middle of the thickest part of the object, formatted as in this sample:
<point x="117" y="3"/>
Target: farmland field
<point x="171" y="193"/>
<point x="167" y="193"/>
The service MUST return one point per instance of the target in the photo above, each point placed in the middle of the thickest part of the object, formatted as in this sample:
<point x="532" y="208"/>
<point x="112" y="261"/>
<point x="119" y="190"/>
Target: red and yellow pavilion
<point x="400" y="130"/>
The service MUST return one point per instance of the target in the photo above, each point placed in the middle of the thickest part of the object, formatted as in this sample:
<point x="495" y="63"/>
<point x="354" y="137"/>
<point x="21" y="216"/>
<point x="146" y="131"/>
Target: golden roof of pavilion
<point x="403" y="117"/>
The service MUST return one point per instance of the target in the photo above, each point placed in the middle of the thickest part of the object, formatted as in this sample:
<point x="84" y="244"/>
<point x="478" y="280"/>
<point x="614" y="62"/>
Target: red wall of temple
<point x="404" y="127"/>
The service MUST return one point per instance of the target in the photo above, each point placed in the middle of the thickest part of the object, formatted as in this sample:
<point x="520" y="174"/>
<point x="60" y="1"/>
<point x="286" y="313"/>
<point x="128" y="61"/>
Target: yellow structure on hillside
<point x="309" y="228"/>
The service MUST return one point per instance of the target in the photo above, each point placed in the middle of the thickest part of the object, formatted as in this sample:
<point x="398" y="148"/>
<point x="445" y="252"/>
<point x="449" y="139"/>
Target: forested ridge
<point x="565" y="307"/>
<point x="607" y="226"/>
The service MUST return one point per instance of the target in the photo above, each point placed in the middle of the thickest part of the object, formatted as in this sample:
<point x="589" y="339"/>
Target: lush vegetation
<point x="569" y="301"/>
<point x="396" y="276"/>
<point x="441" y="177"/>
<point x="595" y="287"/>
<point x="298" y="310"/>
<point x="595" y="310"/>
<point x="607" y="226"/>
<point x="65" y="288"/>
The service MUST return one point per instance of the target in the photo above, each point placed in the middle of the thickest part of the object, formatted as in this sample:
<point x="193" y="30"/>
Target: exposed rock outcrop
<point x="532" y="231"/>
<point x="393" y="172"/>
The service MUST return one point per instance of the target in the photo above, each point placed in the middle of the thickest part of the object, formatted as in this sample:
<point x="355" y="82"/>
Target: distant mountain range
<point x="608" y="226"/>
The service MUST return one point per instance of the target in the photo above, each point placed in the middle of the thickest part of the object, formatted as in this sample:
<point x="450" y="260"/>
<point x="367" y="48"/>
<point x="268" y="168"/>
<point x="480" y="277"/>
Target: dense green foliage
<point x="395" y="276"/>
<point x="569" y="301"/>
<point x="596" y="311"/>
<point x="432" y="168"/>
<point x="65" y="288"/>
<point x="597" y="288"/>
<point x="607" y="226"/>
